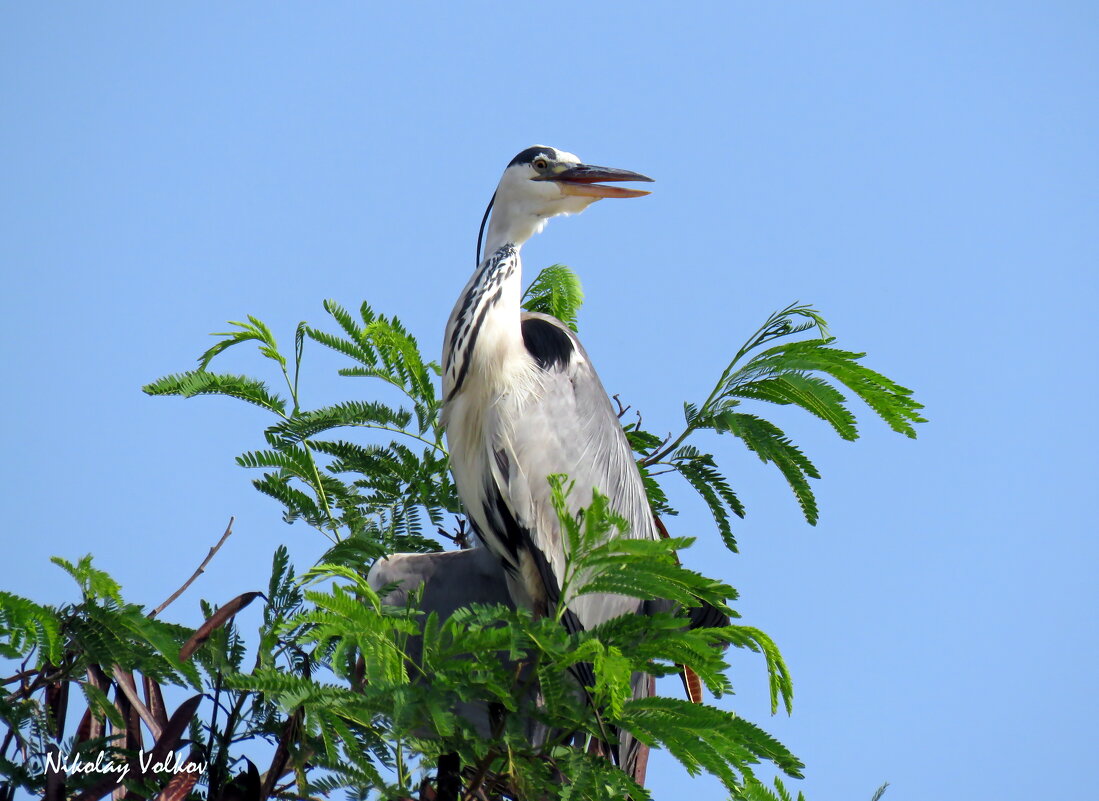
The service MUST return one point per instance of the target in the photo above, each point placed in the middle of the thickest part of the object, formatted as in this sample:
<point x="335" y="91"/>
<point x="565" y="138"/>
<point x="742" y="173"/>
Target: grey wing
<point x="450" y="579"/>
<point x="453" y="579"/>
<point x="447" y="581"/>
<point x="565" y="424"/>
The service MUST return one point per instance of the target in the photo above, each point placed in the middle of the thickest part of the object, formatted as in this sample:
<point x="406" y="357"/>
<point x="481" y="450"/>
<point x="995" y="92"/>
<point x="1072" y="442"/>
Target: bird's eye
<point x="541" y="164"/>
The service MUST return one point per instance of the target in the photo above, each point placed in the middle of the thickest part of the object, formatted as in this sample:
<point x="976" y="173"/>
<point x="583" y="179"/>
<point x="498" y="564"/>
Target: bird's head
<point x="543" y="182"/>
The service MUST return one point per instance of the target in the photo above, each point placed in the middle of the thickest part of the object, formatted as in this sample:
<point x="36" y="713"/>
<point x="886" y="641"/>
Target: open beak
<point x="583" y="180"/>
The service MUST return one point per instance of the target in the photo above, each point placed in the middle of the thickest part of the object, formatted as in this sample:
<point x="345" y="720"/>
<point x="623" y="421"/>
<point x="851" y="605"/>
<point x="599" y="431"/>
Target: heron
<point x="522" y="400"/>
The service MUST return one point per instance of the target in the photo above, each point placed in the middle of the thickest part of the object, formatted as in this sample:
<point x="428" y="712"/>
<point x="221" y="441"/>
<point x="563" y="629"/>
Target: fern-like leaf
<point x="771" y="444"/>
<point x="366" y="414"/>
<point x="253" y="330"/>
<point x="556" y="291"/>
<point x="200" y="382"/>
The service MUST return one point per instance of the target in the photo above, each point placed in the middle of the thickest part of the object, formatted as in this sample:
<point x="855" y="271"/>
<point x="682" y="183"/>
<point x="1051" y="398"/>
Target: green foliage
<point x="556" y="292"/>
<point x="391" y="492"/>
<point x="755" y="790"/>
<point x="255" y="330"/>
<point x="792" y="373"/>
<point x="702" y="473"/>
<point x="28" y="628"/>
<point x="702" y="737"/>
<point x="381" y="494"/>
<point x="200" y="382"/>
<point x="94" y="584"/>
<point x="397" y="681"/>
<point x="357" y="694"/>
<point x="601" y="559"/>
<point x="95" y="643"/>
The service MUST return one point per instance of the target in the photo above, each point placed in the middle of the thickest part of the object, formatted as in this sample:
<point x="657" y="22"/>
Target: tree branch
<point x="197" y="573"/>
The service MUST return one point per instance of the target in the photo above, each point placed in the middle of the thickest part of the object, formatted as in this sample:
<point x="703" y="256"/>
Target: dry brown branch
<point x="197" y="573"/>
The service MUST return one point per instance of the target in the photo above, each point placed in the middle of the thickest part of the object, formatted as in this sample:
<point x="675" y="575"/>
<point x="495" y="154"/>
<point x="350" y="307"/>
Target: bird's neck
<point x="500" y="287"/>
<point x="499" y="281"/>
<point x="512" y="223"/>
<point x="484" y="337"/>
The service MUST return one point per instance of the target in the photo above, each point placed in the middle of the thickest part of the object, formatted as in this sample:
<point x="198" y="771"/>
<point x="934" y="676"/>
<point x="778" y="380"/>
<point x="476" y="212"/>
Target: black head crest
<point x="531" y="153"/>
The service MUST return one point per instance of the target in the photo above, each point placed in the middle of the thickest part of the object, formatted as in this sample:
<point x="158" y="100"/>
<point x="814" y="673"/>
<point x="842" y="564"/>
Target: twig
<point x="459" y="538"/>
<point x="25" y="674"/>
<point x="664" y="448"/>
<point x="479" y="773"/>
<point x="213" y="730"/>
<point x="7" y="742"/>
<point x="655" y="473"/>
<point x="42" y="679"/>
<point x="197" y="573"/>
<point x="621" y="409"/>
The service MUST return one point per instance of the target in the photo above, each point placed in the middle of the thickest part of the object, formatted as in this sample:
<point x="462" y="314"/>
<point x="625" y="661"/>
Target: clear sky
<point x="926" y="174"/>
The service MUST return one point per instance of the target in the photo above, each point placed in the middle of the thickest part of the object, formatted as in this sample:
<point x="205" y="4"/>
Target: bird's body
<point x="451" y="580"/>
<point x="523" y="402"/>
<point x="555" y="418"/>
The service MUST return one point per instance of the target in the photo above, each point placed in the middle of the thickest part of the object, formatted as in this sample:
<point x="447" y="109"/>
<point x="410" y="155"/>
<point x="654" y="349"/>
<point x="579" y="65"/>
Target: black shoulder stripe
<point x="549" y="345"/>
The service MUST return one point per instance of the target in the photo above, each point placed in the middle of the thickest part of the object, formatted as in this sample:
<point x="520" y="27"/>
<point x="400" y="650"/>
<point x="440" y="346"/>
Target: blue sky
<point x="925" y="174"/>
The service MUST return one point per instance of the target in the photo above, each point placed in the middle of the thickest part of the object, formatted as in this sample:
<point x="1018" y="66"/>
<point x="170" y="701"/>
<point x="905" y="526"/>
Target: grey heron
<point x="523" y="402"/>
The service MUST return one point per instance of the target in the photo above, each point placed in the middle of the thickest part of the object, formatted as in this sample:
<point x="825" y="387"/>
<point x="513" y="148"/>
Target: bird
<point x="522" y="401"/>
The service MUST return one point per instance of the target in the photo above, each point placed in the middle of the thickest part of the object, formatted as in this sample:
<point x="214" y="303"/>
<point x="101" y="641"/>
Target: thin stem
<point x="27" y="690"/>
<point x="25" y="674"/>
<point x="401" y="771"/>
<point x="376" y="373"/>
<point x="657" y="458"/>
<point x="299" y="349"/>
<point x="479" y="774"/>
<point x="197" y="573"/>
<point x="214" y="719"/>
<point x="319" y="486"/>
<point x="655" y="473"/>
<point x="393" y="430"/>
<point x="290" y="386"/>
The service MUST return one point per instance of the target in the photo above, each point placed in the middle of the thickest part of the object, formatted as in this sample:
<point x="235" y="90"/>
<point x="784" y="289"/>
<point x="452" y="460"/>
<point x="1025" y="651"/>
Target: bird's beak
<point x="582" y="180"/>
